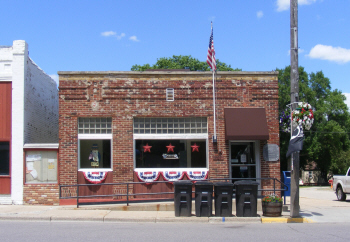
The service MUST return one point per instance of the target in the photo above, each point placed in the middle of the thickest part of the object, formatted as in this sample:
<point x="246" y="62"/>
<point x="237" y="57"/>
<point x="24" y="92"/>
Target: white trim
<point x="95" y="169"/>
<point x="170" y="136"/>
<point x="41" y="146"/>
<point x="95" y="136"/>
<point x="170" y="94"/>
<point x="170" y="169"/>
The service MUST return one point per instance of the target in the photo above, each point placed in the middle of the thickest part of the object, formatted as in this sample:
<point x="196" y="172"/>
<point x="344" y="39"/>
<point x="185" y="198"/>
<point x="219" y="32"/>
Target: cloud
<point x="330" y="53"/>
<point x="283" y="5"/>
<point x="120" y="36"/>
<point x="347" y="101"/>
<point x="114" y="34"/>
<point x="55" y="78"/>
<point x="259" y="14"/>
<point x="134" y="38"/>
<point x="108" y="33"/>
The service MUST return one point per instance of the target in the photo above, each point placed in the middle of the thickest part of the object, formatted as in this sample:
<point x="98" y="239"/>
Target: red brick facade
<point x="47" y="194"/>
<point x="126" y="95"/>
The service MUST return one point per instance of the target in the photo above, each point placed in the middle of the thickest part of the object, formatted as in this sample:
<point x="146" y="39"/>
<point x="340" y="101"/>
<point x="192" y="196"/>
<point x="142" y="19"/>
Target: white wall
<point x="19" y="69"/>
<point x="5" y="63"/>
<point x="40" y="106"/>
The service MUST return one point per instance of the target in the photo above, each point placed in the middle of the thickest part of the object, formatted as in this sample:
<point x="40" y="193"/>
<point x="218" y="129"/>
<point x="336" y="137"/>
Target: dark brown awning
<point x="246" y="124"/>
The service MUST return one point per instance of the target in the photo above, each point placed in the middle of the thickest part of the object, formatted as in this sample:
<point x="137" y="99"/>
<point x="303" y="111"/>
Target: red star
<point x="195" y="147"/>
<point x="147" y="148"/>
<point x="170" y="148"/>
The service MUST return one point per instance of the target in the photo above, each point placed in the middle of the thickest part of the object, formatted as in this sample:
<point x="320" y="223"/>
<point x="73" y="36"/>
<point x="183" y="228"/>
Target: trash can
<point x="246" y="198"/>
<point x="203" y="199"/>
<point x="223" y="199"/>
<point x="286" y="181"/>
<point x="183" y="198"/>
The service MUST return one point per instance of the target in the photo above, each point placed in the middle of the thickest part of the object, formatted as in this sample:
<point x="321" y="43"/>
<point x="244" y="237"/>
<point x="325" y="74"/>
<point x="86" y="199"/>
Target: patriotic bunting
<point x="171" y="175"/>
<point x="95" y="176"/>
<point x="197" y="175"/>
<point x="148" y="176"/>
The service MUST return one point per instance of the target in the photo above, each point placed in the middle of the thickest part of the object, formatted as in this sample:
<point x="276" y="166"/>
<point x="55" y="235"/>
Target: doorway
<point x="5" y="179"/>
<point x="243" y="160"/>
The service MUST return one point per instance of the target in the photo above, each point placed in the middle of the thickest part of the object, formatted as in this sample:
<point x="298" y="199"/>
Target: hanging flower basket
<point x="285" y="121"/>
<point x="303" y="116"/>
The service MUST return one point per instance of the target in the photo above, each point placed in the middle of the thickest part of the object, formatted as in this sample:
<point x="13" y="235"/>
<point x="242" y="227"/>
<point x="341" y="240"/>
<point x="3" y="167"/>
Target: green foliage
<point x="182" y="62"/>
<point x="328" y="142"/>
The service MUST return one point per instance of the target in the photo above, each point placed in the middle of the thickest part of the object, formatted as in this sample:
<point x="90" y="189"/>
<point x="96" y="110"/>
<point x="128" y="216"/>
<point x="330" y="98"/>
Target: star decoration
<point x="147" y="148"/>
<point x="170" y="148"/>
<point x="195" y="147"/>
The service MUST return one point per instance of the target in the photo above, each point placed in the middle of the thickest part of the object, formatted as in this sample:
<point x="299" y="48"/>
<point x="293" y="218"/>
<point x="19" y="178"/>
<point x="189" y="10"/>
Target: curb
<point x="286" y="220"/>
<point x="163" y="219"/>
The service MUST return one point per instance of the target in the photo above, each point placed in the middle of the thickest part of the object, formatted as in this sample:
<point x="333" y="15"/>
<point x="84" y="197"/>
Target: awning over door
<point x="246" y="124"/>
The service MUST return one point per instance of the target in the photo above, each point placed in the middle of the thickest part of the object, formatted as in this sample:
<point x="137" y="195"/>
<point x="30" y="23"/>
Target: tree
<point x="328" y="142"/>
<point x="182" y="62"/>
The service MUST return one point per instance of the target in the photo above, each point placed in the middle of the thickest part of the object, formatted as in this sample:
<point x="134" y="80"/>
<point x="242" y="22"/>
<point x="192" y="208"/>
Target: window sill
<point x="171" y="169"/>
<point x="95" y="169"/>
<point x="41" y="183"/>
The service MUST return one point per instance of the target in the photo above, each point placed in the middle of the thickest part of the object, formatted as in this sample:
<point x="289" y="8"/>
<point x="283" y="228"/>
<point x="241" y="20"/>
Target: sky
<point x="114" y="35"/>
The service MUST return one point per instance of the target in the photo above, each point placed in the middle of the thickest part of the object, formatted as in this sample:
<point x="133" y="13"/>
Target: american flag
<point x="211" y="52"/>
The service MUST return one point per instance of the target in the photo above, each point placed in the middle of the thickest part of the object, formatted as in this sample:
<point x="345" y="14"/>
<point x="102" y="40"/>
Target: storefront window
<point x="4" y="158"/>
<point x="41" y="166"/>
<point x="95" y="153"/>
<point x="170" y="153"/>
<point x="171" y="142"/>
<point x="95" y="139"/>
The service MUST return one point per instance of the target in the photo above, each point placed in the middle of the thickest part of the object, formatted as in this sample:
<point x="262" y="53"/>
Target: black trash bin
<point x="223" y="199"/>
<point x="246" y="198"/>
<point x="203" y="198"/>
<point x="183" y="198"/>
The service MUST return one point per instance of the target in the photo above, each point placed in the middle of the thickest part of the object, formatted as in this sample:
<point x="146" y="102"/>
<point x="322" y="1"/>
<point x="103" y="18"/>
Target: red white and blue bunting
<point x="197" y="175"/>
<point x="171" y="175"/>
<point x="148" y="176"/>
<point x="95" y="176"/>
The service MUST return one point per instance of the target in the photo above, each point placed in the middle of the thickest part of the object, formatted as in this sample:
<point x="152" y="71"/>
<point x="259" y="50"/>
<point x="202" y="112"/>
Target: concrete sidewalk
<point x="318" y="204"/>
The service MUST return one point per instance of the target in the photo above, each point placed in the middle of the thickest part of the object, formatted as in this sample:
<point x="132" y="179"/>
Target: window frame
<point x="201" y="137"/>
<point x="40" y="148"/>
<point x="257" y="164"/>
<point x="95" y="137"/>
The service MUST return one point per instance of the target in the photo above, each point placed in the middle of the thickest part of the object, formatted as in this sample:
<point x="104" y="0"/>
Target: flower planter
<point x="272" y="209"/>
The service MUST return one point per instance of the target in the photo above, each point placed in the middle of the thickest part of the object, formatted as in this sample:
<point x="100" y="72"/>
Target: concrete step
<point x="5" y="199"/>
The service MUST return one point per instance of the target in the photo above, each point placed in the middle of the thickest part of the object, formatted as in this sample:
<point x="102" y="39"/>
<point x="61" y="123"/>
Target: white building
<point x="28" y="117"/>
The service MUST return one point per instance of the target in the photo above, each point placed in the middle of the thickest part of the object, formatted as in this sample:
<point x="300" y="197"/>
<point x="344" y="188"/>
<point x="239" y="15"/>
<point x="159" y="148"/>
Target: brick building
<point x="28" y="129"/>
<point x="158" y="125"/>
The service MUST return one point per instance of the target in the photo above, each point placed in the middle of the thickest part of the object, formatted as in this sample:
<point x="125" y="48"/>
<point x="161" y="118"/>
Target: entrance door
<point x="242" y="160"/>
<point x="5" y="179"/>
<point x="5" y="136"/>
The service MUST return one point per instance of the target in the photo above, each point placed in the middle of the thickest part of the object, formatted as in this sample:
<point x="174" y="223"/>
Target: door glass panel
<point x="242" y="158"/>
<point x="4" y="158"/>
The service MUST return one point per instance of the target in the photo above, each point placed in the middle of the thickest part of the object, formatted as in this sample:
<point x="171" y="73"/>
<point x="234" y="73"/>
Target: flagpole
<point x="214" y="137"/>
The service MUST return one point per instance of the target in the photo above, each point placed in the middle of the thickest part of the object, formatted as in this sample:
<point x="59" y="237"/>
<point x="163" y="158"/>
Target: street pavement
<point x="317" y="205"/>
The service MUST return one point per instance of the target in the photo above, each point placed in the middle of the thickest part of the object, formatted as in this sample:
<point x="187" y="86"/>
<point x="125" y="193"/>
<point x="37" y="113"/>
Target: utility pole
<point x="294" y="98"/>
